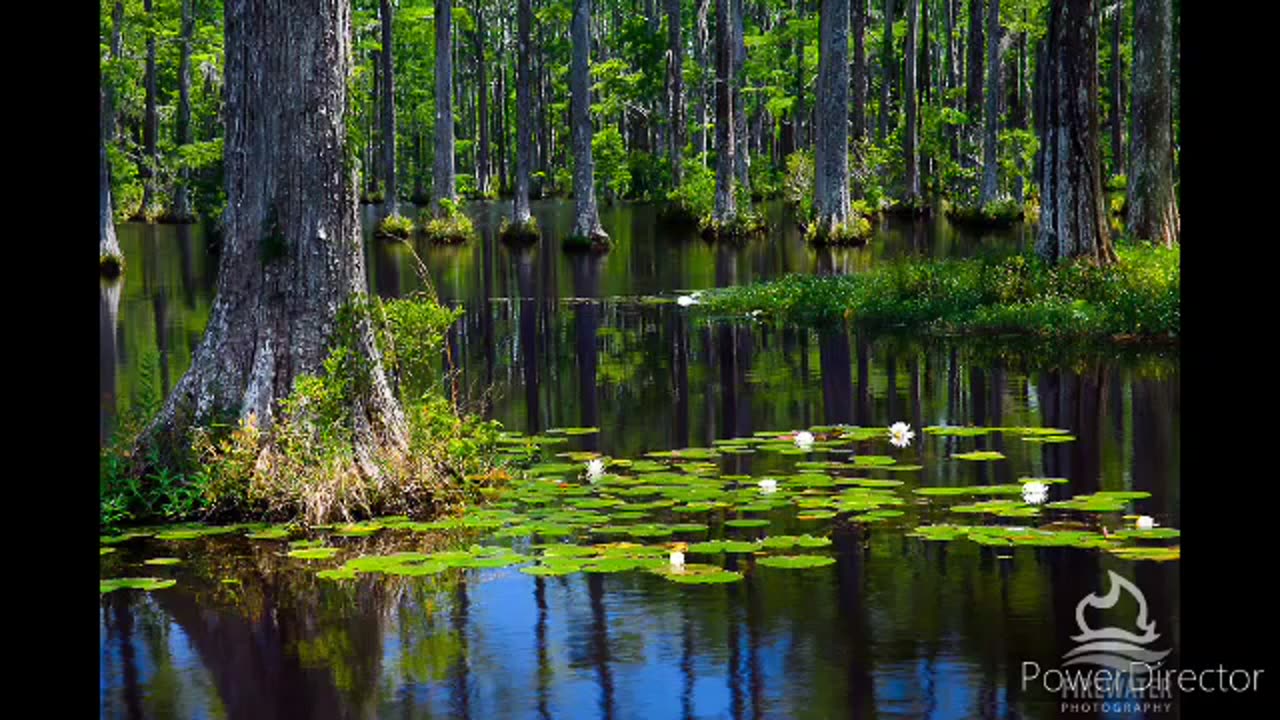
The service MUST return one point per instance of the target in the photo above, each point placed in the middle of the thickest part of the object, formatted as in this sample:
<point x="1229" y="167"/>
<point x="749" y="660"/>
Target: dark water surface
<point x="898" y="627"/>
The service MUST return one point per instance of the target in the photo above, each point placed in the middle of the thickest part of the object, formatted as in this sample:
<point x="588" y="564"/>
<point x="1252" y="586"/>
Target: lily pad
<point x="796" y="562"/>
<point x="695" y="574"/>
<point x="746" y="523"/>
<point x="315" y="553"/>
<point x="786" y="542"/>
<point x="979" y="455"/>
<point x="162" y="561"/>
<point x="723" y="546"/>
<point x="148" y="584"/>
<point x="105" y="551"/>
<point x="1155" y="554"/>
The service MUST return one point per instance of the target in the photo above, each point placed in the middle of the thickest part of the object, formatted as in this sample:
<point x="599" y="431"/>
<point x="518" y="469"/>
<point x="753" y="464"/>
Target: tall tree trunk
<point x="859" y="30"/>
<point x="117" y="49"/>
<point x="725" y="207"/>
<point x="1153" y="208"/>
<point x="150" y="160"/>
<point x="524" y="118"/>
<point x="1072" y="217"/>
<point x="291" y="250"/>
<point x="482" y="90"/>
<point x="742" y="153"/>
<point x="700" y="92"/>
<point x="831" y="180"/>
<point x="675" y="91"/>
<point x="391" y="201"/>
<point x="443" y="182"/>
<point x="887" y="71"/>
<point x="1117" y="91"/>
<point x="973" y="92"/>
<point x="419" y="162"/>
<point x="371" y="148"/>
<point x="181" y="202"/>
<point x="990" y="178"/>
<point x="910" y="156"/>
<point x="108" y="247"/>
<point x="801" y="131"/>
<point x="501" y="100"/>
<point x="1019" y="114"/>
<point x="586" y="220"/>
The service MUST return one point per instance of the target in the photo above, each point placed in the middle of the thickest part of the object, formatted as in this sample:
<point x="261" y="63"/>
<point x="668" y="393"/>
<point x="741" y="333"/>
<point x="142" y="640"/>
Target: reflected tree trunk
<point x="851" y="588"/>
<point x="528" y="339"/>
<point x="586" y="323"/>
<point x="600" y="644"/>
<point x="837" y="374"/>
<point x="108" y="321"/>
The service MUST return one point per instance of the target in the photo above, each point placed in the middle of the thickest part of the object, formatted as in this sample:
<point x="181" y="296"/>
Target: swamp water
<point x="484" y="621"/>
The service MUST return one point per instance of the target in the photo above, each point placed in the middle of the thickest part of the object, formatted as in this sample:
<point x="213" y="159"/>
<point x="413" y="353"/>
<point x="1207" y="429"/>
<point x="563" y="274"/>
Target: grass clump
<point x="1138" y="297"/>
<point x="395" y="226"/>
<point x="448" y="225"/>
<point x="523" y="233"/>
<point x="854" y="232"/>
<point x="110" y="265"/>
<point x="997" y="213"/>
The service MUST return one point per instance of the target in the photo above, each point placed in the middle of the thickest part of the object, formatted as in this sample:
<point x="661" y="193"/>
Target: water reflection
<point x="897" y="627"/>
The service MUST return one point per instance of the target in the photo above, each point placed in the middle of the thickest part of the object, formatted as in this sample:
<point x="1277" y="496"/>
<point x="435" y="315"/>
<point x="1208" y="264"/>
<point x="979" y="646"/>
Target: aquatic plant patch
<point x="148" y="584"/>
<point x="795" y="562"/>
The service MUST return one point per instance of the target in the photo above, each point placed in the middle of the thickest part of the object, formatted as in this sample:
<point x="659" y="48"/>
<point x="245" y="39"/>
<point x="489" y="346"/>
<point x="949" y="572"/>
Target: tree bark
<point x="500" y="98"/>
<point x="1072" y="217"/>
<point x="107" y="243"/>
<point x="700" y="92"/>
<point x="391" y="197"/>
<point x="910" y="156"/>
<point x="524" y="136"/>
<point x="181" y="202"/>
<point x="443" y="182"/>
<point x="150" y="160"/>
<point x="973" y="92"/>
<point x="725" y="207"/>
<point x="990" y="165"/>
<point x="586" y="223"/>
<point x="291" y="252"/>
<point x="742" y="153"/>
<point x="859" y="30"/>
<point x="1117" y="92"/>
<point x="1153" y="208"/>
<point x="887" y="71"/>
<point x="831" y="179"/>
<point x="117" y="49"/>
<point x="675" y="91"/>
<point x="482" y="90"/>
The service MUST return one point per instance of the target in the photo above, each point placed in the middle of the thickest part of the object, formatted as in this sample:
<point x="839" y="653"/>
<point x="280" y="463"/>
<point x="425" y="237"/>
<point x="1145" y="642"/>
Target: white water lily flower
<point x="900" y="434"/>
<point x="768" y="485"/>
<point x="804" y="439"/>
<point x="1146" y="522"/>
<point x="595" y="468"/>
<point x="677" y="559"/>
<point x="1034" y="492"/>
<point x="686" y="300"/>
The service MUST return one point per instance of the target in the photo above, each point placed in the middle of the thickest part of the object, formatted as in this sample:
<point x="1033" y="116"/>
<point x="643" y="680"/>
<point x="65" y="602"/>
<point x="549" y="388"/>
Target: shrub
<point x="450" y="224"/>
<point x="695" y="199"/>
<point x="797" y="188"/>
<point x="395" y="226"/>
<point x="609" y="156"/>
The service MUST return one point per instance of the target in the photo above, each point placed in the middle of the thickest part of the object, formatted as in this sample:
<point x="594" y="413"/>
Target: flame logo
<point x="1112" y="647"/>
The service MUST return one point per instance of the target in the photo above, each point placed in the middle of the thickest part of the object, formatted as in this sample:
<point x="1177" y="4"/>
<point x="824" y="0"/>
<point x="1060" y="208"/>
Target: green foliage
<point x="397" y="226"/>
<point x="797" y="188"/>
<point x="1140" y="295"/>
<point x="450" y="224"/>
<point x="612" y="171"/>
<point x="766" y="180"/>
<point x="413" y="334"/>
<point x="695" y="199"/>
<point x="650" y="175"/>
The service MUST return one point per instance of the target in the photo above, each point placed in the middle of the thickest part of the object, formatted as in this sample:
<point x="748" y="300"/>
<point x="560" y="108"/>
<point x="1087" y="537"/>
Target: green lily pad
<point x="1152" y="534"/>
<point x="819" y="515"/>
<point x="746" y="523"/>
<point x="796" y="562"/>
<point x="1155" y="554"/>
<point x="148" y="584"/>
<point x="337" y="574"/>
<point x="358" y="530"/>
<point x="979" y="455"/>
<point x="315" y="553"/>
<point x="786" y="542"/>
<point x="571" y="431"/>
<point x="105" y="551"/>
<point x="117" y="539"/>
<point x="940" y="532"/>
<point x="713" y="547"/>
<point x="695" y="574"/>
<point x="303" y="544"/>
<point x="162" y="561"/>
<point x="280" y="532"/>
